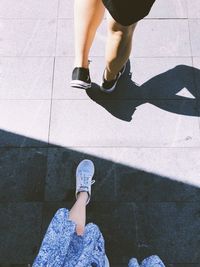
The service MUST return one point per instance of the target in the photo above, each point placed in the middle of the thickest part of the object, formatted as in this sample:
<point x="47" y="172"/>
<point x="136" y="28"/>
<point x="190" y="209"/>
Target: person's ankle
<point x="83" y="196"/>
<point x="108" y="76"/>
<point x="81" y="64"/>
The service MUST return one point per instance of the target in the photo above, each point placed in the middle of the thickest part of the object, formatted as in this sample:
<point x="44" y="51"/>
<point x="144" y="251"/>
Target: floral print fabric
<point x="62" y="247"/>
<point x="153" y="261"/>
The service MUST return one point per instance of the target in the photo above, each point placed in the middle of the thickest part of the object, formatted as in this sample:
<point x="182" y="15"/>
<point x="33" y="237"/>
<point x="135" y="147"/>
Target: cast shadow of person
<point x="162" y="91"/>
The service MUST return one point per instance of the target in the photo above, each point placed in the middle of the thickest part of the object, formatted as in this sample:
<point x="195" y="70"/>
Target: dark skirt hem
<point x="128" y="12"/>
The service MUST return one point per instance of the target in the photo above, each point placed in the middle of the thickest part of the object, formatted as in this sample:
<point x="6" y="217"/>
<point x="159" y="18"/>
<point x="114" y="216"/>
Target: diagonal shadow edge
<point x="136" y="209"/>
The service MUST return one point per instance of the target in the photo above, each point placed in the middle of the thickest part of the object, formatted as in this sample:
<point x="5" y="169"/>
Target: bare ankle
<point x="109" y="76"/>
<point x="81" y="64"/>
<point x="83" y="196"/>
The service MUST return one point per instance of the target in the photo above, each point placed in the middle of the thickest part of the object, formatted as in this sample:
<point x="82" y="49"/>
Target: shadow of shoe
<point x="112" y="102"/>
<point x="120" y="109"/>
<point x="163" y="91"/>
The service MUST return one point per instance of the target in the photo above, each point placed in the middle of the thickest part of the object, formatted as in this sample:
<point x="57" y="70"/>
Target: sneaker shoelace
<point x="84" y="180"/>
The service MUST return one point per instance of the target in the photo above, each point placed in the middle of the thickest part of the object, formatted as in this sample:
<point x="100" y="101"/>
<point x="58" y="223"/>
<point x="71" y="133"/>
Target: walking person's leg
<point x="118" y="49"/>
<point x="88" y="15"/>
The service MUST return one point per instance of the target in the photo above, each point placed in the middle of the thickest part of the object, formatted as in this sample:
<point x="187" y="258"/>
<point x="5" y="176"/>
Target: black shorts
<point x="127" y="12"/>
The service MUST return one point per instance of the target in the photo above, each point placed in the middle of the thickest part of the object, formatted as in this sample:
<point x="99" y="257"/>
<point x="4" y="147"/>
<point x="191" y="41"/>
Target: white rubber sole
<point x="80" y="84"/>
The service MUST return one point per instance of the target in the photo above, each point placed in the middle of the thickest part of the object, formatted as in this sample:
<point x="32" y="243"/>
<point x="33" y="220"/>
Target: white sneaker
<point x="84" y="174"/>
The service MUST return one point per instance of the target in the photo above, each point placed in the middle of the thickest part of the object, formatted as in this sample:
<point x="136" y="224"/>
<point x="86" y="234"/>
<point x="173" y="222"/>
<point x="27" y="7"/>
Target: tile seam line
<point x="53" y="72"/>
<point x="51" y="100"/>
<point x="71" y="18"/>
<point x="113" y="100"/>
<point x="93" y="56"/>
<point x="25" y="99"/>
<point x="51" y="104"/>
<point x="124" y="99"/>
<point x="133" y="204"/>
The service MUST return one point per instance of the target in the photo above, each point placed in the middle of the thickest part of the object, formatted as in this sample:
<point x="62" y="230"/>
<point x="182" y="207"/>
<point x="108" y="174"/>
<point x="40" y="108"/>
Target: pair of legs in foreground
<point x="69" y="243"/>
<point x="88" y="14"/>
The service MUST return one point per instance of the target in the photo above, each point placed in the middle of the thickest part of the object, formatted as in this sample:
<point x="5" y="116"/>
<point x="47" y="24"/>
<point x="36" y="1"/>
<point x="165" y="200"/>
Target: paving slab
<point x="169" y="9"/>
<point x="175" y="164"/>
<point x="25" y="122"/>
<point x="25" y="181"/>
<point x="131" y="127"/>
<point x="22" y="37"/>
<point x="139" y="185"/>
<point x="26" y="77"/>
<point x="28" y="9"/>
<point x="150" y="40"/>
<point x="60" y="181"/>
<point x="66" y="9"/>
<point x="193" y="9"/>
<point x="119" y="223"/>
<point x="157" y="230"/>
<point x="194" y="25"/>
<point x="21" y="224"/>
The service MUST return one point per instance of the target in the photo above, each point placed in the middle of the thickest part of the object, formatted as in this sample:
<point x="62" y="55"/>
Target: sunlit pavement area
<point x="144" y="138"/>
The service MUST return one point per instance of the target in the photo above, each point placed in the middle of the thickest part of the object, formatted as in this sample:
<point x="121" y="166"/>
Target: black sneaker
<point x="109" y="86"/>
<point x="81" y="78"/>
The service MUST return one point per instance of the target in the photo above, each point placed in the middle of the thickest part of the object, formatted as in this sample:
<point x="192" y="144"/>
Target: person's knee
<point x="124" y="32"/>
<point x="80" y="229"/>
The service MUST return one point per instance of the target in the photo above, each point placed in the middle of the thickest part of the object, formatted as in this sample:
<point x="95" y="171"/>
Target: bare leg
<point x="88" y="15"/>
<point x="77" y="213"/>
<point x="118" y="47"/>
